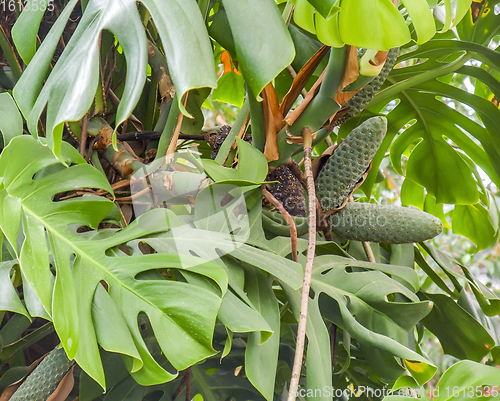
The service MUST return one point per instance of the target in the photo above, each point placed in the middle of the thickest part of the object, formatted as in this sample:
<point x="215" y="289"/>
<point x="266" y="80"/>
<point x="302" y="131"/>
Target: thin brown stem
<point x="323" y="223"/>
<point x="288" y="218"/>
<point x="134" y="196"/>
<point x="91" y="148"/>
<point x="84" y="134"/>
<point x="328" y="141"/>
<point x="115" y="101"/>
<point x="366" y="244"/>
<point x="188" y="384"/>
<point x="322" y="220"/>
<point x="123" y="216"/>
<point x="121" y="184"/>
<point x="142" y="135"/>
<point x="179" y="388"/>
<point x="79" y="194"/>
<point x="311" y="249"/>
<point x="293" y="74"/>
<point x="175" y="136"/>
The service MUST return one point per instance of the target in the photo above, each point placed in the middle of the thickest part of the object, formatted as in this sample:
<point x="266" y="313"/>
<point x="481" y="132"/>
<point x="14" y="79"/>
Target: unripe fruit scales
<point x="43" y="381"/>
<point x="359" y="101"/>
<point x="363" y="221"/>
<point x="384" y="223"/>
<point x="345" y="167"/>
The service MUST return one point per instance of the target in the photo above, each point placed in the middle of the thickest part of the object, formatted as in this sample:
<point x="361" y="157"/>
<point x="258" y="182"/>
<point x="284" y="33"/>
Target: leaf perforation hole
<point x="226" y="200"/>
<point x="119" y="251"/>
<point x="150" y="339"/>
<point x="151" y="274"/>
<point x="193" y="253"/>
<point x="390" y="106"/>
<point x="104" y="284"/>
<point x="397" y="297"/>
<point x="66" y="195"/>
<point x="413" y="61"/>
<point x="125" y="249"/>
<point x="83" y="229"/>
<point x="145" y="248"/>
<point x="143" y="322"/>
<point x="235" y="231"/>
<point x="350" y="269"/>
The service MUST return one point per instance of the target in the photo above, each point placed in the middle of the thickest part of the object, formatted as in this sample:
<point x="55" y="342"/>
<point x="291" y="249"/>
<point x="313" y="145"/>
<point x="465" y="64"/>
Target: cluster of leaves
<point x="148" y="302"/>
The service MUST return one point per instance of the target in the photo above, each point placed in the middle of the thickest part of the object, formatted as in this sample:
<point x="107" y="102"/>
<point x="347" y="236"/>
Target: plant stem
<point x="175" y="136"/>
<point x="323" y="222"/>
<point x="168" y="130"/>
<point x="287" y="12"/>
<point x="288" y="218"/>
<point x="366" y="244"/>
<point x="10" y="54"/>
<point x="227" y="145"/>
<point x="293" y="74"/>
<point x="306" y="286"/>
<point x="84" y="134"/>
<point x="369" y="252"/>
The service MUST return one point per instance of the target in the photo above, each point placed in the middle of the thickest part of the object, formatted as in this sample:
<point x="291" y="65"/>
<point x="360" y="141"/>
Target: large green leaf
<point x="468" y="375"/>
<point x="459" y="333"/>
<point x="80" y="307"/>
<point x="262" y="42"/>
<point x="209" y="245"/>
<point x="414" y="89"/>
<point x="73" y="81"/>
<point x="318" y="353"/>
<point x="10" y="299"/>
<point x="488" y="300"/>
<point x="430" y="122"/>
<point x="473" y="222"/>
<point x="480" y="25"/>
<point x="357" y="300"/>
<point x="261" y="358"/>
<point x="214" y="378"/>
<point x="230" y="89"/>
<point x="372" y="24"/>
<point x="11" y="122"/>
<point x="25" y="31"/>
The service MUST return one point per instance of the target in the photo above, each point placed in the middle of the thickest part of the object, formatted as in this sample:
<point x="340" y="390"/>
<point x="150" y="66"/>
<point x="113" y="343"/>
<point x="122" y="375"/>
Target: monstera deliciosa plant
<point x="159" y="219"/>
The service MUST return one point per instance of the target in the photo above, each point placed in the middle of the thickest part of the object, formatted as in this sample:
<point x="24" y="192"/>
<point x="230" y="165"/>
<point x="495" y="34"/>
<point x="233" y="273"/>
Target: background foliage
<point x="171" y="303"/>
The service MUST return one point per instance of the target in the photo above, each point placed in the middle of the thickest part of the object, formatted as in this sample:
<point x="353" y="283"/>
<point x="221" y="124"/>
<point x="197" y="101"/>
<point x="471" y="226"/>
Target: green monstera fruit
<point x="384" y="223"/>
<point x="359" y="101"/>
<point x="345" y="167"/>
<point x="42" y="382"/>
